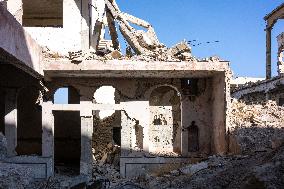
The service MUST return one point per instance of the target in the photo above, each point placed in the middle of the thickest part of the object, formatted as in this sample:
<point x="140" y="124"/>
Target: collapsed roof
<point x="140" y="42"/>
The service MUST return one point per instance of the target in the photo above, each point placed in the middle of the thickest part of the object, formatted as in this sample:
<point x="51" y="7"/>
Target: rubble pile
<point x="14" y="176"/>
<point x="261" y="170"/>
<point x="257" y="127"/>
<point x="3" y="146"/>
<point x="102" y="137"/>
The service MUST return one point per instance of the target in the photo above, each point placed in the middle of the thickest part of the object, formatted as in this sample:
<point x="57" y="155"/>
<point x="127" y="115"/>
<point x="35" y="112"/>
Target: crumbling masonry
<point x="169" y="106"/>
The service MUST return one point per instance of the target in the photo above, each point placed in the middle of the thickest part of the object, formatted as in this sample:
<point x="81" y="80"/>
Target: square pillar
<point x="184" y="133"/>
<point x="47" y="130"/>
<point x="268" y="53"/>
<point x="11" y="121"/>
<point x="48" y="135"/>
<point x="86" y="161"/>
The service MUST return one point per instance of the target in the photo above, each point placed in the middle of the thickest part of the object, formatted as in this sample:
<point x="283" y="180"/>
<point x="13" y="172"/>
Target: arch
<point x="66" y="95"/>
<point x="107" y="123"/>
<point x="29" y="128"/>
<point x="106" y="94"/>
<point x="165" y="123"/>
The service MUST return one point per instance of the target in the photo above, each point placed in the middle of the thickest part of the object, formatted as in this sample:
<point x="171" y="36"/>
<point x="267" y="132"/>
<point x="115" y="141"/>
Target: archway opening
<point x="67" y="133"/>
<point x="107" y="125"/>
<point x="165" y="126"/>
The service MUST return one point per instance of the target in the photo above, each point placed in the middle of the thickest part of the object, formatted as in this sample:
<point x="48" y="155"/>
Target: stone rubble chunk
<point x="192" y="169"/>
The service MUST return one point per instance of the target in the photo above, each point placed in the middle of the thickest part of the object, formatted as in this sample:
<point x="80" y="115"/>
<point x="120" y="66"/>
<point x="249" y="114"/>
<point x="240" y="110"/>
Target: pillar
<point x="268" y="52"/>
<point x="47" y="130"/>
<point x="11" y="121"/>
<point x="48" y="134"/>
<point x="86" y="161"/>
<point x="184" y="134"/>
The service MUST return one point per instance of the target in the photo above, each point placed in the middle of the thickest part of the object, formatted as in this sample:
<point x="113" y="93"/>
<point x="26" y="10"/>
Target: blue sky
<point x="238" y="25"/>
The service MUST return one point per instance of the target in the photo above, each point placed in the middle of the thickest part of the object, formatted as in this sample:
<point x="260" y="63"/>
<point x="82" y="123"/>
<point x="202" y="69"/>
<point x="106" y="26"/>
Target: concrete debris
<point x="179" y="48"/>
<point x="14" y="176"/>
<point x="3" y="146"/>
<point x="79" y="56"/>
<point x="257" y="127"/>
<point x="259" y="170"/>
<point x="116" y="54"/>
<point x="192" y="169"/>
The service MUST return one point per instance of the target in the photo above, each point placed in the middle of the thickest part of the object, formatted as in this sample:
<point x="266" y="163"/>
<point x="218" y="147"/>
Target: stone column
<point x="11" y="121"/>
<point x="86" y="161"/>
<point x="47" y="130"/>
<point x="184" y="134"/>
<point x="48" y="134"/>
<point x="268" y="52"/>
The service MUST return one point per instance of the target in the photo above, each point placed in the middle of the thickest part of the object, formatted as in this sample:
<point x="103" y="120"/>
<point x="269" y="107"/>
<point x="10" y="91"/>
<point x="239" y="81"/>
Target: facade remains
<point x="168" y="106"/>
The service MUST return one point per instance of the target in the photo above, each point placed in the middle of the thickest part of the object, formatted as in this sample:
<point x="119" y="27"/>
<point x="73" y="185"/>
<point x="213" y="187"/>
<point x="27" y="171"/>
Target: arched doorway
<point x="67" y="132"/>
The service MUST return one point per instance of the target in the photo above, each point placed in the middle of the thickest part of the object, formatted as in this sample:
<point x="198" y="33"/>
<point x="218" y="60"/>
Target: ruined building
<point x="167" y="106"/>
<point x="273" y="87"/>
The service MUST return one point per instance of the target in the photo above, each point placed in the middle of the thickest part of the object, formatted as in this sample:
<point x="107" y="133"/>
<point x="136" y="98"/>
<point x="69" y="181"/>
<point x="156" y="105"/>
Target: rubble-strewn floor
<point x="257" y="127"/>
<point x="258" y="133"/>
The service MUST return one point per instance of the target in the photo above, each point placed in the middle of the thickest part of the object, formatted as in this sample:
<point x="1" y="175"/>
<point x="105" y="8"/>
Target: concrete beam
<point x="132" y="69"/>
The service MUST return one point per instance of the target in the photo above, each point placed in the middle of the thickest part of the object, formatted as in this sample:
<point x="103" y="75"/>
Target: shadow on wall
<point x="29" y="116"/>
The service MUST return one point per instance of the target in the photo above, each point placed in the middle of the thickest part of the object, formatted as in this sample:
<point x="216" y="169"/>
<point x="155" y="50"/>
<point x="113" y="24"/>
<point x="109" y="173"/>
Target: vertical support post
<point x="86" y="161"/>
<point x="268" y="52"/>
<point x="184" y="134"/>
<point x="11" y="121"/>
<point x="48" y="134"/>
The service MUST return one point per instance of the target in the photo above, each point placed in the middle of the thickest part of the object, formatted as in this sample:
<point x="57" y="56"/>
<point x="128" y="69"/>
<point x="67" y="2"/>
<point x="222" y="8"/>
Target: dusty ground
<point x="256" y="134"/>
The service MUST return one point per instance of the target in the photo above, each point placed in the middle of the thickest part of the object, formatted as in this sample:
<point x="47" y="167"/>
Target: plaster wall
<point x="17" y="47"/>
<point x="198" y="109"/>
<point x="67" y="38"/>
